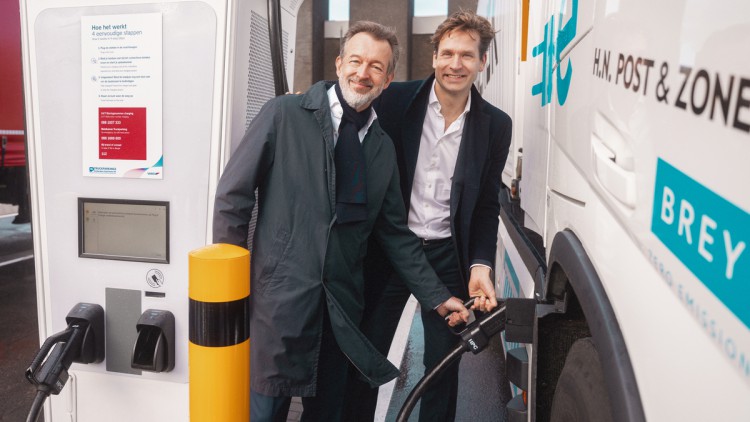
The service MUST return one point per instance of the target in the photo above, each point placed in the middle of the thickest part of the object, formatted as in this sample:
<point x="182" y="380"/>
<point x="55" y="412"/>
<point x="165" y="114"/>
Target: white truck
<point x="626" y="209"/>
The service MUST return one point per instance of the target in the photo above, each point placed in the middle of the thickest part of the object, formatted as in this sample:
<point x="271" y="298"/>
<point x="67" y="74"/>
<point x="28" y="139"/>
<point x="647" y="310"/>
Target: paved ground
<point x="15" y="241"/>
<point x="8" y="209"/>
<point x="18" y="320"/>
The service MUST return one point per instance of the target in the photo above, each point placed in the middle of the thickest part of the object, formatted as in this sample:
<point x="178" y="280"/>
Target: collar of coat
<point x="316" y="97"/>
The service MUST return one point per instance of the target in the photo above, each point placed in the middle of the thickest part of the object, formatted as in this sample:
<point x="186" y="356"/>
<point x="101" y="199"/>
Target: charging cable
<point x="51" y="375"/>
<point x="82" y="342"/>
<point x="474" y="338"/>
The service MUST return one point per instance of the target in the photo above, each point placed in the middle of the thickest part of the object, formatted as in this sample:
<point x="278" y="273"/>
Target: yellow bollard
<point x="219" y="350"/>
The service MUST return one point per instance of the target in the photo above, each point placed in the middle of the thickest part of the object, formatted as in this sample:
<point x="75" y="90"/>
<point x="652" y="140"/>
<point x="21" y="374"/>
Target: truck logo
<point x="707" y="233"/>
<point x="551" y="47"/>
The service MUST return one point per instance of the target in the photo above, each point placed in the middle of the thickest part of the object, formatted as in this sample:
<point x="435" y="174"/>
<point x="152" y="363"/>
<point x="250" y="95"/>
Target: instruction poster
<point x="122" y="95"/>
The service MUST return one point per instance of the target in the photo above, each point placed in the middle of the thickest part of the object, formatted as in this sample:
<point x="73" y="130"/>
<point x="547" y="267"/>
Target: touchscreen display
<point x="124" y="229"/>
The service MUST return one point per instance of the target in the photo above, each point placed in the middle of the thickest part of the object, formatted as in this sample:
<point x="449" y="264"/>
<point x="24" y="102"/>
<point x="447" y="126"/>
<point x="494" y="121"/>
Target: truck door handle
<point x="612" y="161"/>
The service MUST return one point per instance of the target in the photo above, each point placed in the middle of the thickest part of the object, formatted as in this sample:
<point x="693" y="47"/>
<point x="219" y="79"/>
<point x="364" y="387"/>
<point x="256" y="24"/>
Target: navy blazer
<point x="477" y="177"/>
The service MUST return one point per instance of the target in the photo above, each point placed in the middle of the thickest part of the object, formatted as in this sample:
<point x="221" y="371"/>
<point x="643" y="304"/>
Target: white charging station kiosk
<point x="132" y="109"/>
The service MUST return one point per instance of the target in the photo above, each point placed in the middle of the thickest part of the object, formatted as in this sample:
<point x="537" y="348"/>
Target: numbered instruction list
<point x="122" y="95"/>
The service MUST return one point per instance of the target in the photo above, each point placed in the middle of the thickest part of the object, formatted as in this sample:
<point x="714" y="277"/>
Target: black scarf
<point x="351" y="186"/>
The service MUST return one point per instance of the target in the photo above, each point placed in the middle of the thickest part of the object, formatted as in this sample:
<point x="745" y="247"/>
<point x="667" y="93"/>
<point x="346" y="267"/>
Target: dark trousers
<point x="327" y="405"/>
<point x="379" y="325"/>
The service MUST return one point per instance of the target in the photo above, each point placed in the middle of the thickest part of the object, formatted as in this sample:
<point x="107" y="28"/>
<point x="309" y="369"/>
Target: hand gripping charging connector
<point x="81" y="342"/>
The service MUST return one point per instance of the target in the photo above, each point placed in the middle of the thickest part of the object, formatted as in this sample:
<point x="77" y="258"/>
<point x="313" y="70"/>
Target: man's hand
<point x="481" y="287"/>
<point x="459" y="312"/>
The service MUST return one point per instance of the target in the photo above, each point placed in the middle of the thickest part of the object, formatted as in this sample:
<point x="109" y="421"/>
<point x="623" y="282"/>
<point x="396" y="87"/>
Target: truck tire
<point x="581" y="395"/>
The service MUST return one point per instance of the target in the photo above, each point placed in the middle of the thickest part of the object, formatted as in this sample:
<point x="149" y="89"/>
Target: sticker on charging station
<point x="707" y="233"/>
<point x="155" y="278"/>
<point x="122" y="133"/>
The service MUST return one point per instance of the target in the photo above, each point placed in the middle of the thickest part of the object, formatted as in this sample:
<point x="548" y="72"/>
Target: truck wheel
<point x="580" y="395"/>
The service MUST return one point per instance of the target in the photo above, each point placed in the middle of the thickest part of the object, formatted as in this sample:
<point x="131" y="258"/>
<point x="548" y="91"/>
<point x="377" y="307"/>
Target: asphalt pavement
<point x="19" y="338"/>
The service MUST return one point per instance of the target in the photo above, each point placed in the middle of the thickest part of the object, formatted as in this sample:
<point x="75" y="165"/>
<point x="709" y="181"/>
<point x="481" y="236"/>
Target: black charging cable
<point x="49" y="369"/>
<point x="81" y="342"/>
<point x="474" y="338"/>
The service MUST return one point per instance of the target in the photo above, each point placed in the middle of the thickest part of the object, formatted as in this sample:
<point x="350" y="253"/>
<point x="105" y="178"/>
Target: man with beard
<point x="451" y="146"/>
<point x="327" y="179"/>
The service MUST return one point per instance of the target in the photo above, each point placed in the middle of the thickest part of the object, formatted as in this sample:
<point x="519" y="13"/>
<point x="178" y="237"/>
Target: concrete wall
<point x="455" y="5"/>
<point x="308" y="66"/>
<point x="334" y="31"/>
<point x="303" y="57"/>
<point x="421" y="56"/>
<point x="331" y="47"/>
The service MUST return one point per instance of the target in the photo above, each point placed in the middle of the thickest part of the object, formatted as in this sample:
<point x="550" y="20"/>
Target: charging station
<point x="132" y="109"/>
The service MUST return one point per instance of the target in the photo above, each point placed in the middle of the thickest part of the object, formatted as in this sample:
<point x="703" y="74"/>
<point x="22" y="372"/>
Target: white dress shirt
<point x="429" y="210"/>
<point x="337" y="111"/>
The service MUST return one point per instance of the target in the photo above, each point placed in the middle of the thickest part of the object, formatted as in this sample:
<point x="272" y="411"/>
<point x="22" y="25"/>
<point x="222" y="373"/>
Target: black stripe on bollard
<point x="218" y="324"/>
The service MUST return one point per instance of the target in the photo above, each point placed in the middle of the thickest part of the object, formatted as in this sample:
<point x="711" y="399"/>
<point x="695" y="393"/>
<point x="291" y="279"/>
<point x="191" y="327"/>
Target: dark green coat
<point x="302" y="259"/>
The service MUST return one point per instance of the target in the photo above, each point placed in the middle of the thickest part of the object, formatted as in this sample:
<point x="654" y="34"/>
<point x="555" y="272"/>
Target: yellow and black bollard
<point x="219" y="351"/>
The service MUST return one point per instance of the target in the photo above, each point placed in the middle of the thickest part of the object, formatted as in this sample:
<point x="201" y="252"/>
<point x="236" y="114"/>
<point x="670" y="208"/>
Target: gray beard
<point x="354" y="99"/>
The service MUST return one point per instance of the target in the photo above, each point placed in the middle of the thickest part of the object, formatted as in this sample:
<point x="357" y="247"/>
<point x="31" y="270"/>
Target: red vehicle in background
<point x="13" y="171"/>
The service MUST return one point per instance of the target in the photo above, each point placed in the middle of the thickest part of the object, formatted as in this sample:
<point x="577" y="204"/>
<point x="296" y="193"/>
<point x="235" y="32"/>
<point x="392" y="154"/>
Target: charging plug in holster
<point x="82" y="342"/>
<point x="92" y="344"/>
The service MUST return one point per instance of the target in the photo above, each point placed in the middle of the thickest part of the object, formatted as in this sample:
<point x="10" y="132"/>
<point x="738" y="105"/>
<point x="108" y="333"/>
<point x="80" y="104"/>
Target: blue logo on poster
<point x="707" y="233"/>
